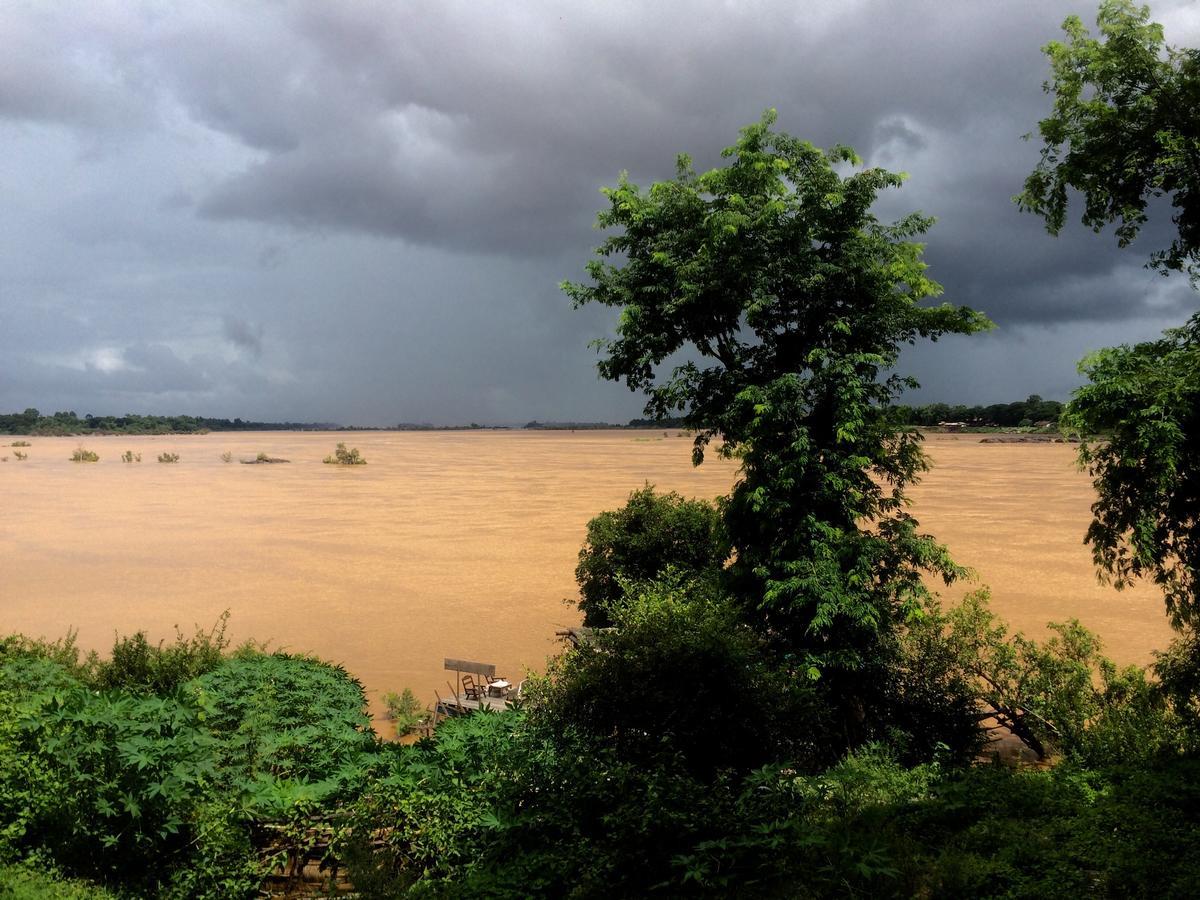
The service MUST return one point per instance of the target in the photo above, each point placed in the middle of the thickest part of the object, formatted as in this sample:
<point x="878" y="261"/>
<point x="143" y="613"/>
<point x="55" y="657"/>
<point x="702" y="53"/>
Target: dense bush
<point x="435" y="807"/>
<point x="137" y="665"/>
<point x="639" y="541"/>
<point x="101" y="783"/>
<point x="136" y="772"/>
<point x="1061" y="694"/>
<point x="287" y="728"/>
<point x="681" y="677"/>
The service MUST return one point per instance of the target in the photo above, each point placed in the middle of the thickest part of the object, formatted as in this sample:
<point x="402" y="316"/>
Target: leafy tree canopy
<point x="1143" y="407"/>
<point x="1124" y="131"/>
<point x="789" y="302"/>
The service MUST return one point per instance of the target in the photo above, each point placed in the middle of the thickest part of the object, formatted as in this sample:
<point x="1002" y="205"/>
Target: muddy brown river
<point x="457" y="544"/>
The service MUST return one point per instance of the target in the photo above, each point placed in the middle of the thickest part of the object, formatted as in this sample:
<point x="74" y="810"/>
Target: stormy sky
<point x="360" y="212"/>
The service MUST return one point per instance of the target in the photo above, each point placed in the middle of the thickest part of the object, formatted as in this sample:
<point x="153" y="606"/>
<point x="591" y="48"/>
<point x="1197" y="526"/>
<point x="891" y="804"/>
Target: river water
<point x="456" y="544"/>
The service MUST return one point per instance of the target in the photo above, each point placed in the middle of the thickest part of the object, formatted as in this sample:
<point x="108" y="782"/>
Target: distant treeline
<point x="669" y="422"/>
<point x="568" y="426"/>
<point x="1028" y="412"/>
<point x="583" y="426"/>
<point x="31" y="421"/>
<point x="1023" y="413"/>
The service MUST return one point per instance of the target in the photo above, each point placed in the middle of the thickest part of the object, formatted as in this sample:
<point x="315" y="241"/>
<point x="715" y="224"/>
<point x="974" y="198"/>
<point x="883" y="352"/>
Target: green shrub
<point x="1061" y="694"/>
<point x="681" y="675"/>
<point x="167" y="457"/>
<point x="80" y="454"/>
<point x="108" y="781"/>
<point x="265" y="458"/>
<point x="287" y="727"/>
<point x="433" y="806"/>
<point x="639" y="541"/>
<point x="20" y="444"/>
<point x="129" y="457"/>
<point x="405" y="711"/>
<point x="31" y="882"/>
<point x="64" y="655"/>
<point x="138" y="666"/>
<point x="343" y="457"/>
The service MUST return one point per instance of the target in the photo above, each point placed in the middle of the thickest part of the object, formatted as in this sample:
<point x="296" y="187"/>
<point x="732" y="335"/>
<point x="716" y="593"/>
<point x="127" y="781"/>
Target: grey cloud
<point x="392" y="192"/>
<point x="455" y="130"/>
<point x="70" y="66"/>
<point x="152" y="368"/>
<point x="243" y="334"/>
<point x="271" y="256"/>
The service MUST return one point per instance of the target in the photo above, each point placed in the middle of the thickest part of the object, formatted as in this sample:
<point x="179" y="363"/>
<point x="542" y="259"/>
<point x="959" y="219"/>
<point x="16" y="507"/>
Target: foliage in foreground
<point x="179" y="769"/>
<point x="156" y="771"/>
<point x="559" y="815"/>
<point x="30" y="882"/>
<point x="1145" y="401"/>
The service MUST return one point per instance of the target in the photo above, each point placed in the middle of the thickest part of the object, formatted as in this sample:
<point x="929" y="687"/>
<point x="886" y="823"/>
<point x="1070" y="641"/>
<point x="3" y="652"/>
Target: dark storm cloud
<point x="243" y="334"/>
<point x="392" y="191"/>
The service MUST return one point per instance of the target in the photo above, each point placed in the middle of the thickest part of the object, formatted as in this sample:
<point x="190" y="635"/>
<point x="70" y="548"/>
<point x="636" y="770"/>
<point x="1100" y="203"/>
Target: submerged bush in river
<point x="343" y="457"/>
<point x="168" y="457"/>
<point x="406" y="711"/>
<point x="81" y="454"/>
<point x="129" y="456"/>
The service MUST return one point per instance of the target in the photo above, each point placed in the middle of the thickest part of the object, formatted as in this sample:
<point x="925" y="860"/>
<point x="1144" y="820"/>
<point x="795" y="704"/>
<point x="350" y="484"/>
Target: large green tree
<point x="1125" y="130"/>
<point x="1142" y="403"/>
<point x="785" y="304"/>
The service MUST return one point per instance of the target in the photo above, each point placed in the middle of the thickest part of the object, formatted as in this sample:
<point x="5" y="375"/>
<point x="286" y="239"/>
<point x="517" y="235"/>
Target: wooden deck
<point x="461" y="705"/>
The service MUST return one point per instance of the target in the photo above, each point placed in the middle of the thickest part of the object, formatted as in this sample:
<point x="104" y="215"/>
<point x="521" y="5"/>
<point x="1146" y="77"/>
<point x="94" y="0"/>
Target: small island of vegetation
<point x="344" y="457"/>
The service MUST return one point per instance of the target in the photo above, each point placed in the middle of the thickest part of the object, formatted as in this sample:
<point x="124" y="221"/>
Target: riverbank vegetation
<point x="33" y="422"/>
<point x="1029" y="413"/>
<point x="770" y="701"/>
